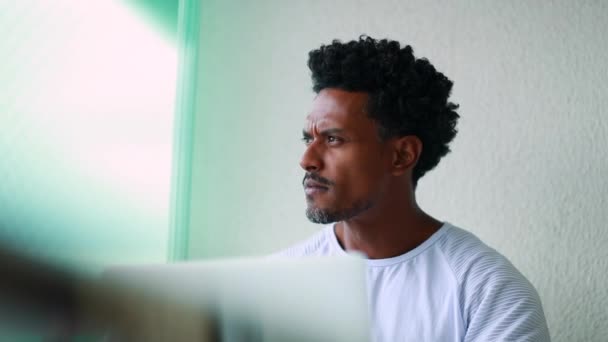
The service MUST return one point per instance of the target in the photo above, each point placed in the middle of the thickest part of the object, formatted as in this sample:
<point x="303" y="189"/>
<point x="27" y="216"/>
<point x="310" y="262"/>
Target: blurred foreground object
<point x="40" y="298"/>
<point x="262" y="299"/>
<point x="317" y="299"/>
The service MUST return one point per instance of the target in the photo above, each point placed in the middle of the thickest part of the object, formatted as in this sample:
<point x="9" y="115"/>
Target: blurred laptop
<point x="265" y="299"/>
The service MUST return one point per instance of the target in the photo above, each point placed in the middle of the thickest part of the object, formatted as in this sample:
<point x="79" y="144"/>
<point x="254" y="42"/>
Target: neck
<point x="388" y="229"/>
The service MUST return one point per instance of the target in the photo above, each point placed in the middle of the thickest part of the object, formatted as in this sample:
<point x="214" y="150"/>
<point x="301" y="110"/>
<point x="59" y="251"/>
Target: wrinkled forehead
<point x="335" y="107"/>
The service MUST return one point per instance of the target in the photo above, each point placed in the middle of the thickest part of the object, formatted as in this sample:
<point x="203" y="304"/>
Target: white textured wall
<point x="528" y="169"/>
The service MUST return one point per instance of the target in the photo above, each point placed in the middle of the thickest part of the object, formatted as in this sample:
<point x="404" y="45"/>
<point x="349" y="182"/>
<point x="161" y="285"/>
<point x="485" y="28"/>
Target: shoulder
<point x="497" y="301"/>
<point x="472" y="260"/>
<point x="469" y="257"/>
<point x="319" y="244"/>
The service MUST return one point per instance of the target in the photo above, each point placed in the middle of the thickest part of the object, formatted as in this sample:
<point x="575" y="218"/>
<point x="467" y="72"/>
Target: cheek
<point x="359" y="175"/>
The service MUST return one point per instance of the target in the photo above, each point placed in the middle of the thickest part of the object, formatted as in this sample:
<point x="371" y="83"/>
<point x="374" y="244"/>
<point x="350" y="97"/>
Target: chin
<point x="320" y="215"/>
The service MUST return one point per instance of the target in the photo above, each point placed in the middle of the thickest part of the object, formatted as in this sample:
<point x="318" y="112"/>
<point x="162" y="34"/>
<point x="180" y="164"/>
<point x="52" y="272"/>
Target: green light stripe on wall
<point x="187" y="34"/>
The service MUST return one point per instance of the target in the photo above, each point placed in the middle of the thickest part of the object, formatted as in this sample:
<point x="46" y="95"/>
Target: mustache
<point x="315" y="177"/>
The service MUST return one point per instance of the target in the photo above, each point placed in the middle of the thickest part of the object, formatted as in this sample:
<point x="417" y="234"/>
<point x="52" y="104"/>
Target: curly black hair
<point x="407" y="96"/>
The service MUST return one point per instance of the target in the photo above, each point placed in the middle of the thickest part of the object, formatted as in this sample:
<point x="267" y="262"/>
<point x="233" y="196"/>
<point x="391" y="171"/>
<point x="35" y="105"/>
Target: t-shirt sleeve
<point x="502" y="305"/>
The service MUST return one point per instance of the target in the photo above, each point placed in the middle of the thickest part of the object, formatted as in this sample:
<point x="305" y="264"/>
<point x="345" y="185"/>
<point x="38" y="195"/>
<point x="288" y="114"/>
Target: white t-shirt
<point x="452" y="287"/>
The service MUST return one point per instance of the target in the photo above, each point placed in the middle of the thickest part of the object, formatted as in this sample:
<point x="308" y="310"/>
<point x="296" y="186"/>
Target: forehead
<point x="336" y="107"/>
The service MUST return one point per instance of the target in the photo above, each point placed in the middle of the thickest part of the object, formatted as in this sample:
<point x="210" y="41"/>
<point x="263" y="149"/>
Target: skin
<point x="343" y="147"/>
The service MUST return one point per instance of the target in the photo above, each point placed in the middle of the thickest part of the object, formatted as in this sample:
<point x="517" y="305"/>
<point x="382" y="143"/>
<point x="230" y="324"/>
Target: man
<point x="381" y="119"/>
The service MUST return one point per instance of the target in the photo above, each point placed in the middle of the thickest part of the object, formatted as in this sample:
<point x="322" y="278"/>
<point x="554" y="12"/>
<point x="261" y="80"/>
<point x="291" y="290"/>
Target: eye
<point x="307" y="140"/>
<point x="332" y="139"/>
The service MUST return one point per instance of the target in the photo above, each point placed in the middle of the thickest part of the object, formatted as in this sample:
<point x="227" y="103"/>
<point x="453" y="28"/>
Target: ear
<point x="406" y="152"/>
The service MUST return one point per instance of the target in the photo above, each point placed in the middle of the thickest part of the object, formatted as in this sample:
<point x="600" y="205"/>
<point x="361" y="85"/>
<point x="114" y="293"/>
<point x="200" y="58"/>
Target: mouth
<point x="315" y="185"/>
<point x="315" y="190"/>
<point x="312" y="188"/>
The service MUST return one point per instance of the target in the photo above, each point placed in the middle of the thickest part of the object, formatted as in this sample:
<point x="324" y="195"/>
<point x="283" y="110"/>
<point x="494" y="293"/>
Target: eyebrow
<point x="324" y="133"/>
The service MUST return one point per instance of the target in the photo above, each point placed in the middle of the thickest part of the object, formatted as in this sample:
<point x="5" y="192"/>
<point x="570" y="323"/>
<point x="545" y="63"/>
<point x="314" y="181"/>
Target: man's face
<point x="345" y="162"/>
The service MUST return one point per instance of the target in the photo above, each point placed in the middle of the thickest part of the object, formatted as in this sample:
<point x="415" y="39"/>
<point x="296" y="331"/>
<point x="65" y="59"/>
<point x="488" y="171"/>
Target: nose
<point x="311" y="161"/>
